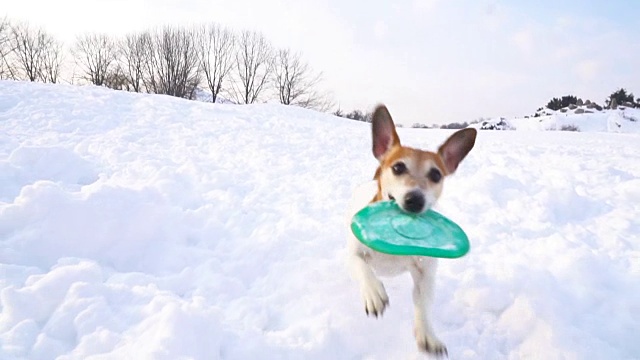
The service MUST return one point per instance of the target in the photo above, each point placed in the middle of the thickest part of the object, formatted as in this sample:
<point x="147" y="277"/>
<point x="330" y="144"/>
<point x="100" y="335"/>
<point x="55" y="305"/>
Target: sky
<point x="429" y="61"/>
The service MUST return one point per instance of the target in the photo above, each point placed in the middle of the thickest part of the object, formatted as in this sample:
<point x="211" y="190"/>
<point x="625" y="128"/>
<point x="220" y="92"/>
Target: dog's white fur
<point x="366" y="264"/>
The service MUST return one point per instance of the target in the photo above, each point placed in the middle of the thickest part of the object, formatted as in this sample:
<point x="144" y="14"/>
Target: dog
<point x="414" y="179"/>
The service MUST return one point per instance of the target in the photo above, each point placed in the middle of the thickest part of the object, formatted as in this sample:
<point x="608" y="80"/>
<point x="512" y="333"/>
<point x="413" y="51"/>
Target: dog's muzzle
<point x="414" y="202"/>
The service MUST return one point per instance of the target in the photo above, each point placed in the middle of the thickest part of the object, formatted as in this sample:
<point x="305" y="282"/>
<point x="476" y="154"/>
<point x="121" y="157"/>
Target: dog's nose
<point x="414" y="201"/>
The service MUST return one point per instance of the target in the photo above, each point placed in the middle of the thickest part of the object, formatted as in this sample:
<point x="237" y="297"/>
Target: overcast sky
<point x="430" y="61"/>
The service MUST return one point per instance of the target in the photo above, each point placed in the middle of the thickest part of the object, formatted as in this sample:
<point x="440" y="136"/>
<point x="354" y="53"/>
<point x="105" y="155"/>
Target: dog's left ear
<point x="457" y="147"/>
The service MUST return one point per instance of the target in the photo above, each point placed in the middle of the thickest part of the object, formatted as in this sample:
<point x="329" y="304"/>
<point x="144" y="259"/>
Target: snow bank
<point x="147" y="227"/>
<point x="622" y="120"/>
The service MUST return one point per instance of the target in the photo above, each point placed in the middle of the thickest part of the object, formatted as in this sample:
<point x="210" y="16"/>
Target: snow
<point x="148" y="227"/>
<point x="621" y="120"/>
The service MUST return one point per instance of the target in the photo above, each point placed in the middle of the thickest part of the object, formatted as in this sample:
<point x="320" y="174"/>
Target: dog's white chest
<point x="390" y="265"/>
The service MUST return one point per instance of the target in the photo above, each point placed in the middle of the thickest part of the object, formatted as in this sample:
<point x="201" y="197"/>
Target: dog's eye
<point x="399" y="168"/>
<point x="434" y="175"/>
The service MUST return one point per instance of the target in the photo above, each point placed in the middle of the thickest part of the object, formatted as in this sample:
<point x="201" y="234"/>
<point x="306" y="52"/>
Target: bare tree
<point x="134" y="51"/>
<point x="215" y="52"/>
<point x="95" y="54"/>
<point x="52" y="58"/>
<point x="29" y="49"/>
<point x="292" y="77"/>
<point x="296" y="83"/>
<point x="6" y="50"/>
<point x="253" y="66"/>
<point x="317" y="100"/>
<point x="116" y="79"/>
<point x="172" y="65"/>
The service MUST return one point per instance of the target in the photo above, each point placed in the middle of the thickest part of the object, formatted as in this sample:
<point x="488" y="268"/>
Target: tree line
<point x="619" y="97"/>
<point x="242" y="67"/>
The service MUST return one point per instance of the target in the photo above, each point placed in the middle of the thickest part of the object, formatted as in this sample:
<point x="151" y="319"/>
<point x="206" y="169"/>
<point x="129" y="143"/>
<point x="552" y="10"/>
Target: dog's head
<point x="413" y="177"/>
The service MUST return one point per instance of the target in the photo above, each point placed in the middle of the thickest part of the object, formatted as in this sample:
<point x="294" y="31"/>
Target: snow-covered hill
<point x="148" y="227"/>
<point x="621" y="120"/>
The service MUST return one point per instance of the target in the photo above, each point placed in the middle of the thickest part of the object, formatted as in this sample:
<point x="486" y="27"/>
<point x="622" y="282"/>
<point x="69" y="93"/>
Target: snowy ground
<point x="621" y="120"/>
<point x="148" y="227"/>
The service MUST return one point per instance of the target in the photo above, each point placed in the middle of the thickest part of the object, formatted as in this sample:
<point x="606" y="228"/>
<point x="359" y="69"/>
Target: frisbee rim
<point x="460" y="240"/>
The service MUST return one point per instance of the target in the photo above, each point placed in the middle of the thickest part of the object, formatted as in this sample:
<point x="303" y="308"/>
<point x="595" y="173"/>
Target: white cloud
<point x="425" y="5"/>
<point x="380" y="29"/>
<point x="524" y="41"/>
<point x="564" y="23"/>
<point x="587" y="70"/>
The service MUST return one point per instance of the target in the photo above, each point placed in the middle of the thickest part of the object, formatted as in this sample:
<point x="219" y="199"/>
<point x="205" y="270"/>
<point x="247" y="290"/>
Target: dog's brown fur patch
<point x="402" y="152"/>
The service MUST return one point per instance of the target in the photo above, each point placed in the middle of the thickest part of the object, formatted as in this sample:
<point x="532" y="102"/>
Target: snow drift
<point x="147" y="227"/>
<point x="583" y="119"/>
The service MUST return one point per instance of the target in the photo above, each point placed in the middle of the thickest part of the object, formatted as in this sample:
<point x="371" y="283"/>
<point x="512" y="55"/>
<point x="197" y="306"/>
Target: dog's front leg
<point x="373" y="292"/>
<point x="423" y="273"/>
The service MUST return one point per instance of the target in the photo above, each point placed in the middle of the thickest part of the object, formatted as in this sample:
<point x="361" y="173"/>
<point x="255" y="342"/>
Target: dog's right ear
<point x="384" y="132"/>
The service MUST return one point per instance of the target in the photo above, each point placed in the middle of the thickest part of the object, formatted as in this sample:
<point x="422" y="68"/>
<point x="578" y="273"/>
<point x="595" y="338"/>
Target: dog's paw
<point x="375" y="298"/>
<point x="431" y="345"/>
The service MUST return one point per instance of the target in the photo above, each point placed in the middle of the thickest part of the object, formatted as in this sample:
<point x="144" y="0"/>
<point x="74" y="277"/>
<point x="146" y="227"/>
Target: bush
<point x="619" y="97"/>
<point x="559" y="103"/>
<point x="502" y="124"/>
<point x="569" y="127"/>
<point x="455" y="125"/>
<point x="420" y="126"/>
<point x="355" y="115"/>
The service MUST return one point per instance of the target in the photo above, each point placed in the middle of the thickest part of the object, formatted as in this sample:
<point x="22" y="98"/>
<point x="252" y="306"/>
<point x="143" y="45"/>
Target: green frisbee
<point x="384" y="227"/>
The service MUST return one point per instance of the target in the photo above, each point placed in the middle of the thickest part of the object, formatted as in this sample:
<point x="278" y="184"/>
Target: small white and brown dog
<point x="413" y="178"/>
